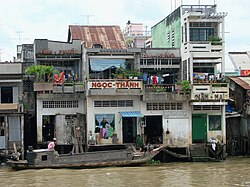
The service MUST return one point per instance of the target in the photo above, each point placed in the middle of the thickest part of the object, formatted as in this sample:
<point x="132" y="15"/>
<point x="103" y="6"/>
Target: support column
<point x="223" y="121"/>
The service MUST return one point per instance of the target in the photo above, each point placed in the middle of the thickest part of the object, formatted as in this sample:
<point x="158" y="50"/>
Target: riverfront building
<point x="198" y="31"/>
<point x="11" y="108"/>
<point x="167" y="94"/>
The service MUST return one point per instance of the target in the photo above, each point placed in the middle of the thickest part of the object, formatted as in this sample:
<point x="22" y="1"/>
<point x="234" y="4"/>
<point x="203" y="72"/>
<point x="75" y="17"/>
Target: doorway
<point x="153" y="129"/>
<point x="199" y="128"/>
<point x="48" y="127"/>
<point x="129" y="129"/>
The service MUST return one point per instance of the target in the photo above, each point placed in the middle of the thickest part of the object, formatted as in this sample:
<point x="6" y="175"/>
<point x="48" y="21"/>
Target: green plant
<point x="136" y="73"/>
<point x="185" y="86"/>
<point x="215" y="40"/>
<point x="41" y="72"/>
<point x="139" y="141"/>
<point x="154" y="162"/>
<point x="158" y="89"/>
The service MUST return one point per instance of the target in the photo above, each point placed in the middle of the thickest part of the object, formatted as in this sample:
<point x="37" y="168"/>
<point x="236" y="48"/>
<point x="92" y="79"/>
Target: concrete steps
<point x="199" y="153"/>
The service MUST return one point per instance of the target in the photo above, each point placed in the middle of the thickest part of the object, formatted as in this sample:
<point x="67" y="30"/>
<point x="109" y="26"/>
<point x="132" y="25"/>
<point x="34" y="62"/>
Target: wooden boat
<point x="43" y="158"/>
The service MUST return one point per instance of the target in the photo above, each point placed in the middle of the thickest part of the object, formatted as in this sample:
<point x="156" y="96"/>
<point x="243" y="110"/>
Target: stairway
<point x="199" y="153"/>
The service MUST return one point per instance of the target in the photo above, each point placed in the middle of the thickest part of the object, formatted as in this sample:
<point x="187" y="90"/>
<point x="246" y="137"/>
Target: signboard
<point x="115" y="84"/>
<point x="177" y="114"/>
<point x="59" y="52"/>
<point x="158" y="56"/>
<point x="245" y="72"/>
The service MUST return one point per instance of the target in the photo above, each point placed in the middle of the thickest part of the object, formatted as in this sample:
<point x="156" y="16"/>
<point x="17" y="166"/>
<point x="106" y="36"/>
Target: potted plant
<point x="184" y="86"/>
<point x="136" y="73"/>
<point x="215" y="40"/>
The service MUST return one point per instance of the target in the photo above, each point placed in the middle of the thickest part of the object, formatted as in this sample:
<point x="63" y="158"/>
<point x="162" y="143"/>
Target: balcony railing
<point x="58" y="88"/>
<point x="160" y="88"/>
<point x="213" y="91"/>
<point x="205" y="47"/>
<point x="11" y="107"/>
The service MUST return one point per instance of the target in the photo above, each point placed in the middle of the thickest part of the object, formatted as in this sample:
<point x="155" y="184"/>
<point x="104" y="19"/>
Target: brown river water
<point x="231" y="172"/>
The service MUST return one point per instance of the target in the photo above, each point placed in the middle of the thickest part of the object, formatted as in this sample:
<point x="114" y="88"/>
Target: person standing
<point x="77" y="139"/>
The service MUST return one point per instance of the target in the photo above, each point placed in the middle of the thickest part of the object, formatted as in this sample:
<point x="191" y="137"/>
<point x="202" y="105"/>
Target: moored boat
<point x="43" y="158"/>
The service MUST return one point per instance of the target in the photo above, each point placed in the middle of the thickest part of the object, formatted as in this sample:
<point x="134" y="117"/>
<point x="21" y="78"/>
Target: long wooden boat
<point x="43" y="158"/>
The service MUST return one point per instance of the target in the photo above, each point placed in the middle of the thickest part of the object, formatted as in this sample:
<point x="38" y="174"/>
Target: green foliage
<point x="215" y="40"/>
<point x="135" y="73"/>
<point x="158" y="89"/>
<point x="40" y="72"/>
<point x="154" y="162"/>
<point x="126" y="73"/>
<point x="185" y="86"/>
<point x="139" y="141"/>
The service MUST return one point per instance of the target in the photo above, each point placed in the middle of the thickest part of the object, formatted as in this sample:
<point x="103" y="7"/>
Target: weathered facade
<point x="11" y="108"/>
<point x="59" y="104"/>
<point x="198" y="31"/>
<point x="239" y="91"/>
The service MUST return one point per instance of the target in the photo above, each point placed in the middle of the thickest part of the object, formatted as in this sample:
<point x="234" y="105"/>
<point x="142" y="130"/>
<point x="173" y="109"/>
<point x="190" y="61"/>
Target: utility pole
<point x="87" y="18"/>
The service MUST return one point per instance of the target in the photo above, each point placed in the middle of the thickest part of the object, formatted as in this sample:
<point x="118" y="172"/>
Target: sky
<point x="22" y="21"/>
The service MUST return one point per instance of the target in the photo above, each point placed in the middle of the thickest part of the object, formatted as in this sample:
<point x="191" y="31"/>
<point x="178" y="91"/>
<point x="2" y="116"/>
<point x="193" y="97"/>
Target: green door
<point x="199" y="128"/>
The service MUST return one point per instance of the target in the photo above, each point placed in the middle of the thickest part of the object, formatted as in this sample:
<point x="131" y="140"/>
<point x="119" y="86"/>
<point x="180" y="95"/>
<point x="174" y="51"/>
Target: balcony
<point x="163" y="92"/>
<point x="11" y="107"/>
<point x="58" y="88"/>
<point x="210" y="92"/>
<point x="114" y="87"/>
<point x="10" y="68"/>
<point x="204" y="49"/>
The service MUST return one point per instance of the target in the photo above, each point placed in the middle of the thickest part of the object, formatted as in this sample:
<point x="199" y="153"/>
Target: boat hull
<point x="48" y="159"/>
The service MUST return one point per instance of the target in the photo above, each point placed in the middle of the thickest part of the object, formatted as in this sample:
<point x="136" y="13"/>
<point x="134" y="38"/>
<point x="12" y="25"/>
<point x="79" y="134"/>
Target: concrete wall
<point x="177" y="122"/>
<point x="160" y="31"/>
<point x="110" y="110"/>
<point x="53" y="111"/>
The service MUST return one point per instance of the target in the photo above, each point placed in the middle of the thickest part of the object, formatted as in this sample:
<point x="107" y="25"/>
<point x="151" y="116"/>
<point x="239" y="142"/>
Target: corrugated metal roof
<point x="131" y="114"/>
<point x="110" y="37"/>
<point x="244" y="82"/>
<point x="240" y="60"/>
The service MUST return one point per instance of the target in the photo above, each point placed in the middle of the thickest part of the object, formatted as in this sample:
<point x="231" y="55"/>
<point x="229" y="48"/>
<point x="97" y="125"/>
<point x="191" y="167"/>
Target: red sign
<point x="245" y="72"/>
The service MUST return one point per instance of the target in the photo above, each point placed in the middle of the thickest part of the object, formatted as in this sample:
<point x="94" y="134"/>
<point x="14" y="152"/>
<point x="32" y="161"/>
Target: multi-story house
<point x="135" y="35"/>
<point x="60" y="102"/>
<point x="11" y="108"/>
<point x="198" y="31"/>
<point x="148" y="106"/>
<point x="113" y="105"/>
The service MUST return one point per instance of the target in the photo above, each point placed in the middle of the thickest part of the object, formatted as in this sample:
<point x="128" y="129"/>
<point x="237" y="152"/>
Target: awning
<point x="131" y="114"/>
<point x="103" y="64"/>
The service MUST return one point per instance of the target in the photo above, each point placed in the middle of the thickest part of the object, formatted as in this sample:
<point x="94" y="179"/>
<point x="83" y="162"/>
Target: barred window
<point x="114" y="103"/>
<point x="207" y="107"/>
<point x="60" y="104"/>
<point x="164" y="106"/>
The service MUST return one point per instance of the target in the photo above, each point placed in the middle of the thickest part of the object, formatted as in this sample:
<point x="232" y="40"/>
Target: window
<point x="6" y="95"/>
<point x="164" y="106"/>
<point x="2" y="126"/>
<point x="201" y="34"/>
<point x="214" y="122"/>
<point x="104" y="125"/>
<point x="60" y="104"/>
<point x="173" y="39"/>
<point x="114" y="103"/>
